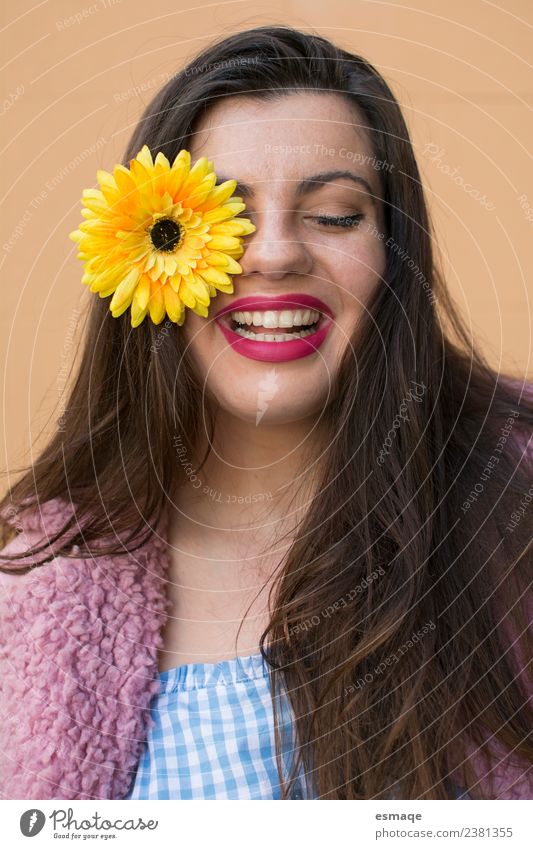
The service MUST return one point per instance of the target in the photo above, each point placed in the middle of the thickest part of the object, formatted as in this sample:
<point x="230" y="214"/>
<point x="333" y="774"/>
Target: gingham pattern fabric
<point x="213" y="736"/>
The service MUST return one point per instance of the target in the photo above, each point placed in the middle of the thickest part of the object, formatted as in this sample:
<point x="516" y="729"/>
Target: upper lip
<point x="261" y="303"/>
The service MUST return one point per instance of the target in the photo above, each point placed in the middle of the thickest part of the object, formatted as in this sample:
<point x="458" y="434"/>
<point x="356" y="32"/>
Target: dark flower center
<point x="166" y="234"/>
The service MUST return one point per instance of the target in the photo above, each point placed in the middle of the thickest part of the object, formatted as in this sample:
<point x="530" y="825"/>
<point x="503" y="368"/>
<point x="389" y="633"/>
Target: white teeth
<point x="272" y="318"/>
<point x="287" y="319"/>
<point x="273" y="337"/>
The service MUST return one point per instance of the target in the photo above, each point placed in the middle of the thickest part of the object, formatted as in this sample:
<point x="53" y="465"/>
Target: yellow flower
<point x="161" y="237"/>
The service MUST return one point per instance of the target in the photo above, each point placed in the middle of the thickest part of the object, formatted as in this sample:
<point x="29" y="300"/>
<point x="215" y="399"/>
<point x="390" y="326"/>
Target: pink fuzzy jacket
<point x="78" y="668"/>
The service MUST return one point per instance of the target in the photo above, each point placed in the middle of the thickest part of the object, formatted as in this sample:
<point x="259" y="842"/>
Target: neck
<point x="252" y="474"/>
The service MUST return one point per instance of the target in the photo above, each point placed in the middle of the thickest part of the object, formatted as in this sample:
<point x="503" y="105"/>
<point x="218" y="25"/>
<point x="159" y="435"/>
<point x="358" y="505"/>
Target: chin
<point x="261" y="409"/>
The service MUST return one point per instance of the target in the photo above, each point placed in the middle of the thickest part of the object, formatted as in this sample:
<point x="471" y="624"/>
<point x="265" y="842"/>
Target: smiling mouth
<point x="274" y="325"/>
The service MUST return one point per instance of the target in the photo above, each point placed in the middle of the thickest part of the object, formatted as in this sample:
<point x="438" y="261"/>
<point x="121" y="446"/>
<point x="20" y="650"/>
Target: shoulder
<point x="40" y="600"/>
<point x="57" y="581"/>
<point x="33" y="526"/>
<point x="17" y="579"/>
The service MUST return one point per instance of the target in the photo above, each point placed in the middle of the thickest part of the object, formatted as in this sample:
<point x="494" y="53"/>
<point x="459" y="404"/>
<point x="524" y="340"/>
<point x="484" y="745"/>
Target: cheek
<point x="359" y="271"/>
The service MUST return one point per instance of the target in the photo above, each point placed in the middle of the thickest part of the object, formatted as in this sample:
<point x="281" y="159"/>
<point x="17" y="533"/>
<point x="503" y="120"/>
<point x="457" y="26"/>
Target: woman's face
<point x="279" y="153"/>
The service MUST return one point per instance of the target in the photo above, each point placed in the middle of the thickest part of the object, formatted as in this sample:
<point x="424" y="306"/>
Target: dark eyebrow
<point x="309" y="184"/>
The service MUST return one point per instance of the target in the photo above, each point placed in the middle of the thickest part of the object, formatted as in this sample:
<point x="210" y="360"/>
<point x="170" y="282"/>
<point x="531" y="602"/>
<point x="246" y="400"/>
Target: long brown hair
<point x="398" y="602"/>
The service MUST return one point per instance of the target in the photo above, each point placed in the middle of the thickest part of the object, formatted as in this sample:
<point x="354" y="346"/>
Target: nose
<point x="275" y="249"/>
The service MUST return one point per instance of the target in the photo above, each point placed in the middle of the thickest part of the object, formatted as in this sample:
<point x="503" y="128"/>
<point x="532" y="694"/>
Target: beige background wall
<point x="75" y="77"/>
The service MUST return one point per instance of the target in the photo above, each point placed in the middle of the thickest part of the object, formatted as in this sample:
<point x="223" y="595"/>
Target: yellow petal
<point x="138" y="253"/>
<point x="118" y="310"/>
<point x="175" y="282"/>
<point x="201" y="310"/>
<point x="125" y="289"/>
<point x="218" y="195"/>
<point x="215" y="276"/>
<point x="138" y="317"/>
<point x="199" y="289"/>
<point x="140" y="300"/>
<point x="150" y="261"/>
<point x="229" y="265"/>
<point x="124" y="180"/>
<point x="199" y="193"/>
<point x="142" y="177"/>
<point x="168" y="203"/>
<point x="236" y="227"/>
<point x="94" y="200"/>
<point x="245" y="224"/>
<point x="156" y="305"/>
<point x="160" y="179"/>
<point x="187" y="216"/>
<point x="173" y="304"/>
<point x="145" y="157"/>
<point x="170" y="264"/>
<point x="158" y="267"/>
<point x="108" y="186"/>
<point x="105" y="178"/>
<point x="221" y="213"/>
<point x="176" y="178"/>
<point x="105" y="280"/>
<point x="199" y="230"/>
<point x="162" y="160"/>
<point x="215" y="258"/>
<point x="186" y="294"/>
<point x="194" y="243"/>
<point x="225" y="287"/>
<point x="97" y="281"/>
<point x="224" y="243"/>
<point x="183" y="156"/>
<point x="236" y="253"/>
<point x="196" y="175"/>
<point x="98" y="226"/>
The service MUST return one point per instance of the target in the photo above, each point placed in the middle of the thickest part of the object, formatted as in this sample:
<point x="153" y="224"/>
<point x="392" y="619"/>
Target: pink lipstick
<point x="270" y="351"/>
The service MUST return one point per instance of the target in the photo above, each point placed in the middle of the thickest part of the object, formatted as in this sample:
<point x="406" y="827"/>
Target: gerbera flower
<point x="161" y="238"/>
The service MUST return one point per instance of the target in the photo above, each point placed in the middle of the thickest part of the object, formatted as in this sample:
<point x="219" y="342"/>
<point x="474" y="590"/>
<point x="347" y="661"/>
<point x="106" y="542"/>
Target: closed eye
<point x="339" y="220"/>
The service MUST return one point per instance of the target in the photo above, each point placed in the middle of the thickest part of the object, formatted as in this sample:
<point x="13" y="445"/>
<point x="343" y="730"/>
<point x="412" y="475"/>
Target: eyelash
<point x="345" y="221"/>
<point x="340" y="220"/>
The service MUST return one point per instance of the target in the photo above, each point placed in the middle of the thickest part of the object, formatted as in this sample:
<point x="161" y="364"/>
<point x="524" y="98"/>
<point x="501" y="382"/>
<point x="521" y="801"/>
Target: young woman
<point x="251" y="571"/>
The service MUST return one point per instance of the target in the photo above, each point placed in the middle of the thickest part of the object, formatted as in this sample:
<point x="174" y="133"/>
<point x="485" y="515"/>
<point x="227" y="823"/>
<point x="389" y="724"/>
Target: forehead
<point x="251" y="139"/>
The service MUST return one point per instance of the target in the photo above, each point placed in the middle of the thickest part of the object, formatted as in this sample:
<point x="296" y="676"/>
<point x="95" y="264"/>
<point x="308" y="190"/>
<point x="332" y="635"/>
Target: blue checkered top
<point x="213" y="735"/>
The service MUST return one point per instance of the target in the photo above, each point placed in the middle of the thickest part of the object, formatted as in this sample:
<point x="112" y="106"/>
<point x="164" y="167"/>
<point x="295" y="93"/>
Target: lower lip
<point x="275" y="352"/>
